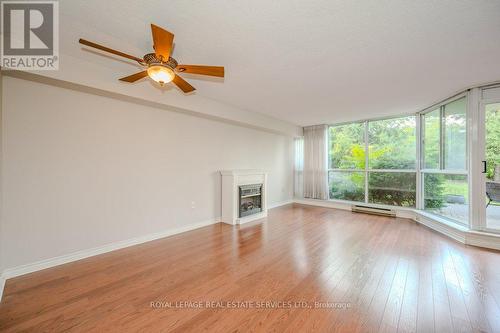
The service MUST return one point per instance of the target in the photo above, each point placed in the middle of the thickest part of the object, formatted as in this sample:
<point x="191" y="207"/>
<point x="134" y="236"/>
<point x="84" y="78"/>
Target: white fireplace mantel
<point x="231" y="180"/>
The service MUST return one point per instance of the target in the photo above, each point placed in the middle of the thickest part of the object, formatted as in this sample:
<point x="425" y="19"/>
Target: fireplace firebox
<point x="250" y="199"/>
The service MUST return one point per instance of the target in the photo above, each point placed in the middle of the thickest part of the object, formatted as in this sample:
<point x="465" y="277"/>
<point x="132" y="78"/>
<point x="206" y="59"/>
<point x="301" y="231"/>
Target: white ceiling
<point x="306" y="62"/>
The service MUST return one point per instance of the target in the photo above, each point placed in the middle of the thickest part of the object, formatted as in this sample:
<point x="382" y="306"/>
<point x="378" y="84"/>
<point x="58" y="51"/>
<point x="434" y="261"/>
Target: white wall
<point x="81" y="170"/>
<point x="92" y="73"/>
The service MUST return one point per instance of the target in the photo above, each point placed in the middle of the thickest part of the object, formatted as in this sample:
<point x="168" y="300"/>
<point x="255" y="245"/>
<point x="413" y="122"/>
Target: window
<point x="432" y="135"/>
<point x="444" y="150"/>
<point x="447" y="195"/>
<point x="392" y="143"/>
<point x="298" y="184"/>
<point x="454" y="135"/>
<point x="445" y="137"/>
<point x="347" y="154"/>
<point x="347" y="146"/>
<point x="345" y="185"/>
<point x="374" y="161"/>
<point x="392" y="188"/>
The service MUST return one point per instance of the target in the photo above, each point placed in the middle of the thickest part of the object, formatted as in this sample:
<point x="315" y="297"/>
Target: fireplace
<point x="250" y="199"/>
<point x="243" y="194"/>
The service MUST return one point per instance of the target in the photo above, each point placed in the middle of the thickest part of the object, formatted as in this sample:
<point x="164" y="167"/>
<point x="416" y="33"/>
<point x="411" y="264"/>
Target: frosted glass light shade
<point x="161" y="74"/>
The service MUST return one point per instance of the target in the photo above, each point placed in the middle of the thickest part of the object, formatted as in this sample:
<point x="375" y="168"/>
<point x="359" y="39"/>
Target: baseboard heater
<point x="374" y="211"/>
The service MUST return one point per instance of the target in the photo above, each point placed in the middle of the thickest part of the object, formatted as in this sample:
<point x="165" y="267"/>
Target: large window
<point x="444" y="161"/>
<point x="374" y="161"/>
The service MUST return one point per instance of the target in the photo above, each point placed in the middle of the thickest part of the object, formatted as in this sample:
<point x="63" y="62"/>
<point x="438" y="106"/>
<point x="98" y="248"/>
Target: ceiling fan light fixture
<point x="161" y="74"/>
<point x="159" y="65"/>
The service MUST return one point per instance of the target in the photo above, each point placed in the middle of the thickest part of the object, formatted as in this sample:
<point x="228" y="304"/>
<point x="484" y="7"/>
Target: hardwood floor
<point x="378" y="274"/>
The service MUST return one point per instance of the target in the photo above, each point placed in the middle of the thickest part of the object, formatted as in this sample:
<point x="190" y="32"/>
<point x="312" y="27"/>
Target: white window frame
<point x="478" y="185"/>
<point x="442" y="170"/>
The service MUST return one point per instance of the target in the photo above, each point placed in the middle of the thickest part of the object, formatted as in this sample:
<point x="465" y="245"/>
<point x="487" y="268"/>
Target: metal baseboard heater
<point x="373" y="211"/>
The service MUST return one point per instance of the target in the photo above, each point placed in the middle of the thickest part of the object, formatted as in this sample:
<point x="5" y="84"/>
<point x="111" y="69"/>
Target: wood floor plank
<point x="395" y="275"/>
<point x="459" y="314"/>
<point x="408" y="316"/>
<point x="425" y="306"/>
<point x="442" y="310"/>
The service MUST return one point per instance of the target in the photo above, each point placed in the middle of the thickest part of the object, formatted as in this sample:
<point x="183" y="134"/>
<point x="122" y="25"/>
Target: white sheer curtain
<point x="316" y="162"/>
<point x="298" y="184"/>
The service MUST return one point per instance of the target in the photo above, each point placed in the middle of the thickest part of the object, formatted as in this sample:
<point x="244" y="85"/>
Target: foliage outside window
<point x="493" y="141"/>
<point x="347" y="146"/>
<point x="347" y="185"/>
<point x="447" y="195"/>
<point x="445" y="137"/>
<point x="432" y="135"/>
<point x="445" y="186"/>
<point x="392" y="188"/>
<point x="376" y="161"/>
<point x="390" y="145"/>
<point x="455" y="138"/>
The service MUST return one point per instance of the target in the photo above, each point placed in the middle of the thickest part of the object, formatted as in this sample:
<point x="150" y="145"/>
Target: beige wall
<point x="82" y="170"/>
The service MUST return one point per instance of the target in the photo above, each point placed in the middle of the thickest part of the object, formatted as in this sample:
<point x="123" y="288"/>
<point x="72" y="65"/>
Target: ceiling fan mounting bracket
<point x="151" y="59"/>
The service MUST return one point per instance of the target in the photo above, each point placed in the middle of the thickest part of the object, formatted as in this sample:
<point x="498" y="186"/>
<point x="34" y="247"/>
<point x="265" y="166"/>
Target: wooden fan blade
<point x="203" y="70"/>
<point x="163" y="41"/>
<point x="183" y="84"/>
<point x="107" y="49"/>
<point x="134" y="77"/>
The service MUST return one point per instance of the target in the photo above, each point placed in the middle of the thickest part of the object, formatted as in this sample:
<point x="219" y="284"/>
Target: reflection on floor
<point x="302" y="269"/>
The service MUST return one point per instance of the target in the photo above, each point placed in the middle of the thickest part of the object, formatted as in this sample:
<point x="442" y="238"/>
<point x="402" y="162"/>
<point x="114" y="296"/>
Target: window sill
<point x="441" y="220"/>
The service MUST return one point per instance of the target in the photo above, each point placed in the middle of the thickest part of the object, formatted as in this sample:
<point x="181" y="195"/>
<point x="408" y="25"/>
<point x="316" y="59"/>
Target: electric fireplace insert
<point x="250" y="199"/>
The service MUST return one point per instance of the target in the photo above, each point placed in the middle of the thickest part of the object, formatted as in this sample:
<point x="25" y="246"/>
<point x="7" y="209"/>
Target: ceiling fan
<point x="161" y="67"/>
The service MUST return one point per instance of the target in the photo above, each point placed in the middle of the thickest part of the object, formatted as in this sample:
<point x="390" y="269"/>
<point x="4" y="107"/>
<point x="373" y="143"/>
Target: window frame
<point x="442" y="167"/>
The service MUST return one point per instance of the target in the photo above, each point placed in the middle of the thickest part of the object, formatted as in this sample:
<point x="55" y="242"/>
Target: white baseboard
<point x="482" y="239"/>
<point x="346" y="205"/>
<point x="323" y="203"/>
<point x="278" y="204"/>
<point x="47" y="263"/>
